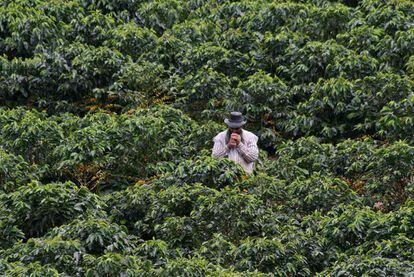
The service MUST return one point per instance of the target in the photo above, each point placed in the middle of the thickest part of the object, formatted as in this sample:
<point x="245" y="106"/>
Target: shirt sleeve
<point x="219" y="149"/>
<point x="249" y="150"/>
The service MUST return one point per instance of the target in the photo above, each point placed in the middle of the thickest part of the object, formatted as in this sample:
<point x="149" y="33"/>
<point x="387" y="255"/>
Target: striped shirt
<point x="246" y="152"/>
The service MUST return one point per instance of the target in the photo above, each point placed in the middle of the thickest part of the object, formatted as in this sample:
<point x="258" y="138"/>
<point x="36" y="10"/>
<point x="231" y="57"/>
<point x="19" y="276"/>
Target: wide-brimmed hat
<point x="235" y="120"/>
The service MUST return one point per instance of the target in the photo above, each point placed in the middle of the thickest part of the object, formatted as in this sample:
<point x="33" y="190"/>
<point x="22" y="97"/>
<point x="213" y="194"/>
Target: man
<point x="236" y="143"/>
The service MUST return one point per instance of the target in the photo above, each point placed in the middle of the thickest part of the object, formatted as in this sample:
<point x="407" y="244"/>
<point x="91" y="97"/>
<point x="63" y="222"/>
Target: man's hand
<point x="236" y="138"/>
<point x="232" y="144"/>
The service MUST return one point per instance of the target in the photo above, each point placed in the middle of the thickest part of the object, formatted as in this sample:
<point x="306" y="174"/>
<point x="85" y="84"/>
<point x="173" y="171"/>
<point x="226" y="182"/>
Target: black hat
<point x="235" y="120"/>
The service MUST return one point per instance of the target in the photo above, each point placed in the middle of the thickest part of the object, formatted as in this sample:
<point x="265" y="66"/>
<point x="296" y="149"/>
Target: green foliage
<point x="30" y="134"/>
<point x="33" y="269"/>
<point x="326" y="60"/>
<point x="229" y="62"/>
<point x="109" y="107"/>
<point x="194" y="31"/>
<point x="191" y="91"/>
<point x="9" y="234"/>
<point x="161" y="15"/>
<point x="35" y="208"/>
<point x="131" y="39"/>
<point x="96" y="235"/>
<point x="270" y="255"/>
<point x="63" y="255"/>
<point x="190" y="267"/>
<point x="111" y="264"/>
<point x="139" y="84"/>
<point x="23" y="28"/>
<point x="15" y="172"/>
<point x="206" y="170"/>
<point x="131" y="205"/>
<point x="218" y="250"/>
<point x="378" y="266"/>
<point x="229" y="212"/>
<point x="93" y="28"/>
<point x="266" y="188"/>
<point x="87" y="150"/>
<point x="318" y="193"/>
<point x="156" y="251"/>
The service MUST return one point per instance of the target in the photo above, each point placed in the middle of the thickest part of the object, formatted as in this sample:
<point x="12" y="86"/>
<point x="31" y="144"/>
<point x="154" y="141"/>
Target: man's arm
<point x="219" y="149"/>
<point x="249" y="151"/>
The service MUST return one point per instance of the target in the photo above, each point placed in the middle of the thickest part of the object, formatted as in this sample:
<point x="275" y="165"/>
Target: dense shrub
<point x="107" y="113"/>
<point x="95" y="235"/>
<point x="35" y="208"/>
<point x="15" y="172"/>
<point x="63" y="255"/>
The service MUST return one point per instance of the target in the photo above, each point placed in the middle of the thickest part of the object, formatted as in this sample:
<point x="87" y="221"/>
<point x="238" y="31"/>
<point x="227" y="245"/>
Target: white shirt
<point x="246" y="152"/>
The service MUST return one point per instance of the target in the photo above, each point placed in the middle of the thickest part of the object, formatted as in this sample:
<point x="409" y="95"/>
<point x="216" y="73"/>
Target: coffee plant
<point x="108" y="109"/>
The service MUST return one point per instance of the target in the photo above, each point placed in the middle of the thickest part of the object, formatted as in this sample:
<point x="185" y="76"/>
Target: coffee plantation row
<point x="107" y="113"/>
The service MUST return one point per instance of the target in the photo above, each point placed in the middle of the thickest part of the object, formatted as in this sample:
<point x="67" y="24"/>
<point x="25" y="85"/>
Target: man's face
<point x="235" y="130"/>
